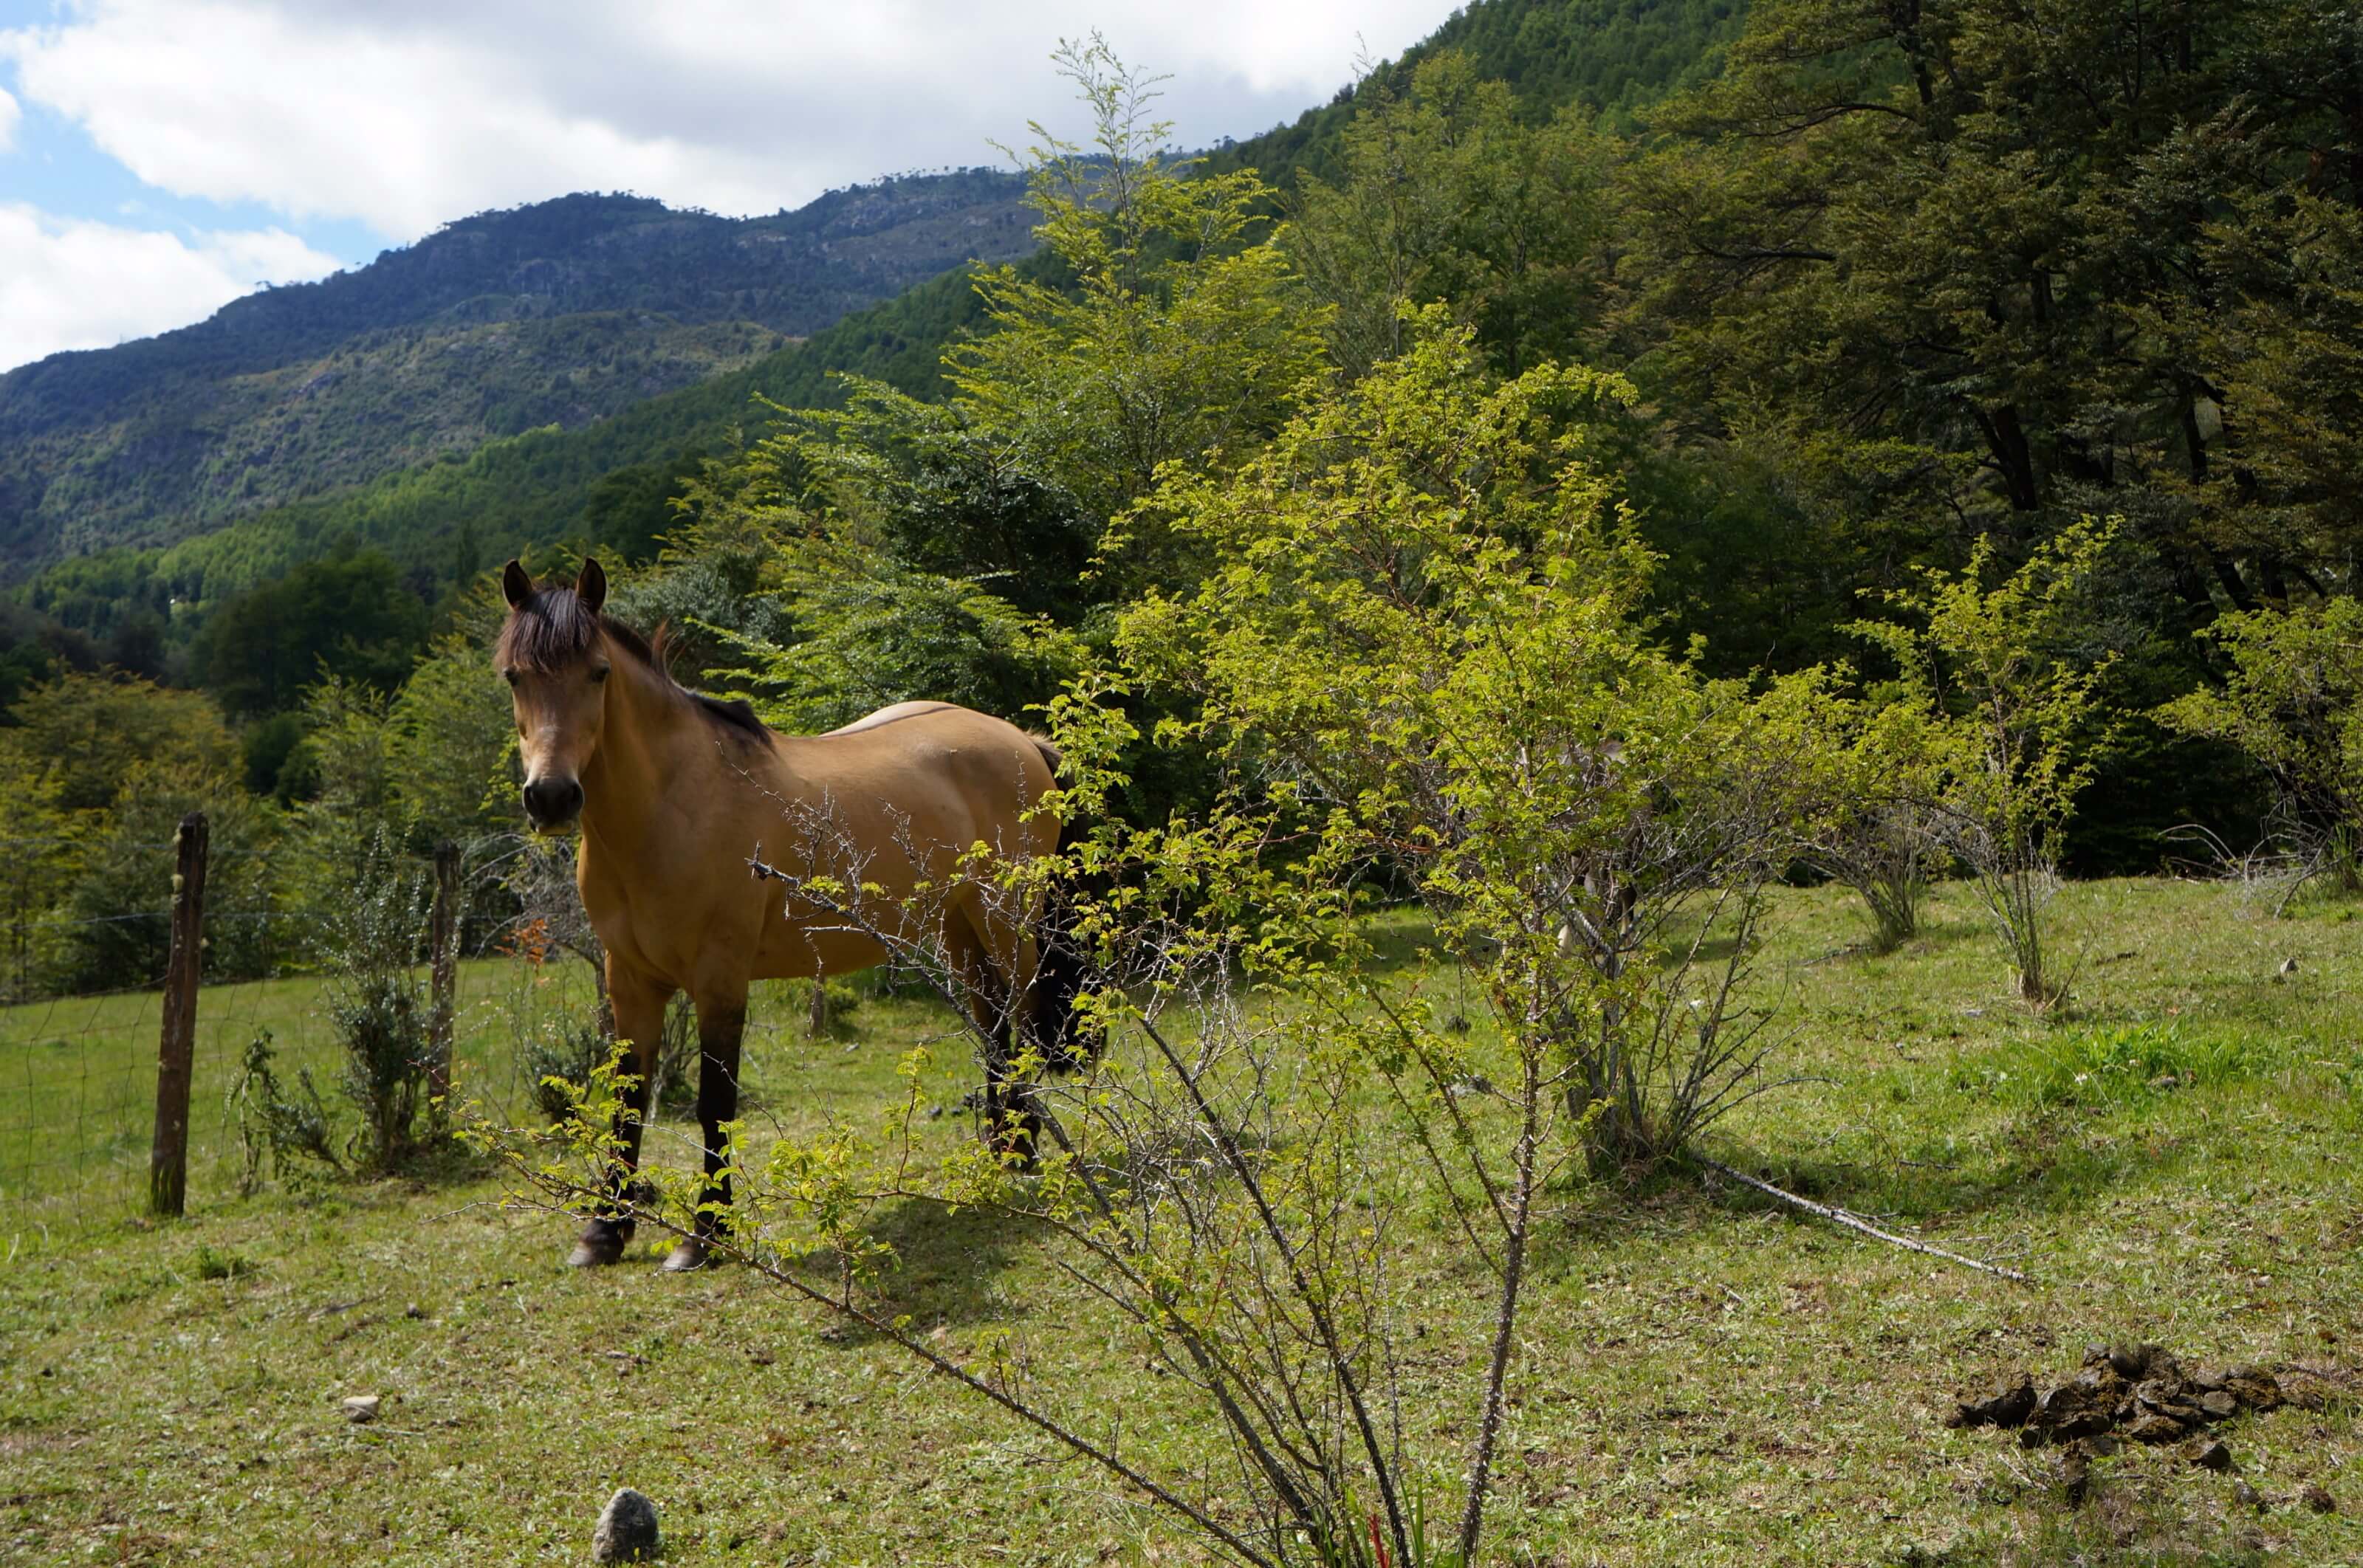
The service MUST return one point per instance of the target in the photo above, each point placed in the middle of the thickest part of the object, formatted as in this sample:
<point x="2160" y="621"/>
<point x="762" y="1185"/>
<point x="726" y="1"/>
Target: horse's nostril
<point x="552" y="801"/>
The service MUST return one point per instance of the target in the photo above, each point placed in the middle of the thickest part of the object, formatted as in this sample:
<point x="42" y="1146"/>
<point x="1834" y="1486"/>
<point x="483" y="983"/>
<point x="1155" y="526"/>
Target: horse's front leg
<point x="640" y="1002"/>
<point x="721" y="1026"/>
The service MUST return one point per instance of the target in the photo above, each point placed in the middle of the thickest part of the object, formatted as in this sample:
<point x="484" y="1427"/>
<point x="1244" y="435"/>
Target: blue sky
<point x="159" y="157"/>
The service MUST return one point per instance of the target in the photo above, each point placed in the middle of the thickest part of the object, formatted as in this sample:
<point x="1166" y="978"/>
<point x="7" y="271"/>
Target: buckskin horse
<point x="675" y="790"/>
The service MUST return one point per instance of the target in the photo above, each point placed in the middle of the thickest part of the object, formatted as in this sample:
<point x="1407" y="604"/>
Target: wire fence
<point x="79" y="1071"/>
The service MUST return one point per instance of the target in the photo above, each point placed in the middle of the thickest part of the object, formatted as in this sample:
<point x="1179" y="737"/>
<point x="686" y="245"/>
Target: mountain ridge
<point x="152" y="440"/>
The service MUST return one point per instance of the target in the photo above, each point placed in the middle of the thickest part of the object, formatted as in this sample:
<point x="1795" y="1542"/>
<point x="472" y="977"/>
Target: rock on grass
<point x="628" y="1530"/>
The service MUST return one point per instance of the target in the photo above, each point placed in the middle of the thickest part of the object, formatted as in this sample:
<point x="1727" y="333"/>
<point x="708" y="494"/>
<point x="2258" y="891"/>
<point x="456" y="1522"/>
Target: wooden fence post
<point x="444" y="939"/>
<point x="168" y="1160"/>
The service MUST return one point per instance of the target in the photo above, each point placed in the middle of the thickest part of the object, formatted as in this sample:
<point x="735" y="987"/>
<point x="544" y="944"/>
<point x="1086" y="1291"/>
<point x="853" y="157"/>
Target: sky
<point x="159" y="158"/>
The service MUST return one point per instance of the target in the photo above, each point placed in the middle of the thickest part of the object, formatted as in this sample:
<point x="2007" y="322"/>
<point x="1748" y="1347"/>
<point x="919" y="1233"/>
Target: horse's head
<point x="553" y="657"/>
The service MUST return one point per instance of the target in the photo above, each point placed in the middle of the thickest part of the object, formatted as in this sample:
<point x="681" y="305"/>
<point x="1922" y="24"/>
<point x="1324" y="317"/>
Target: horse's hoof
<point x="690" y="1254"/>
<point x="603" y="1241"/>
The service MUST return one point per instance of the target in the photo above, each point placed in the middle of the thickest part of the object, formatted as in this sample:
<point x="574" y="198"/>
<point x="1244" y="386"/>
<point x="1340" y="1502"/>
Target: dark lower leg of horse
<point x="717" y="1102"/>
<point x="1013" y="1123"/>
<point x="608" y="1231"/>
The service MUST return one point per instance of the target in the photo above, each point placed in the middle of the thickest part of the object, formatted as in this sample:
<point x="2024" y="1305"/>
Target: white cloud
<point x="406" y="114"/>
<point x="9" y="116"/>
<point x="72" y="283"/>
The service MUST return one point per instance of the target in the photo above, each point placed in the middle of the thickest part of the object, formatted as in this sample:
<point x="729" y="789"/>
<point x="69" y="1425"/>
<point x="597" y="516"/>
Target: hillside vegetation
<point x="1606" y="55"/>
<point x="557" y="314"/>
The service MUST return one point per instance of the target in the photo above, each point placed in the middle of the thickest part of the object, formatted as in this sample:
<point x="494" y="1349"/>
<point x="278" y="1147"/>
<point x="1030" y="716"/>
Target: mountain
<point x="561" y="313"/>
<point x="480" y="495"/>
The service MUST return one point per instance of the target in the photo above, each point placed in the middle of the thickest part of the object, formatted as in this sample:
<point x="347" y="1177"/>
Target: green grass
<point x="1703" y="1378"/>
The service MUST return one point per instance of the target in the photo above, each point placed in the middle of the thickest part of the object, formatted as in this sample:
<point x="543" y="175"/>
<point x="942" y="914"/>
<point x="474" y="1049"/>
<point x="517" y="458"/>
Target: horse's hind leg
<point x="721" y="1029"/>
<point x="1011" y="1126"/>
<point x="640" y="1002"/>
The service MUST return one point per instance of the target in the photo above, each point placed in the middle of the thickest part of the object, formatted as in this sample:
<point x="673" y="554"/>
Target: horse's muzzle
<point x="553" y="802"/>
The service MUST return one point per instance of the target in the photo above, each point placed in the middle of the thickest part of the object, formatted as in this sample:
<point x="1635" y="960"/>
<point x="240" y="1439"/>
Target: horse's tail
<point x="1063" y="974"/>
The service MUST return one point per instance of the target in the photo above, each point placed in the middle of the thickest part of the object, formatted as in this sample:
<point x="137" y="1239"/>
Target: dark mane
<point x="554" y="629"/>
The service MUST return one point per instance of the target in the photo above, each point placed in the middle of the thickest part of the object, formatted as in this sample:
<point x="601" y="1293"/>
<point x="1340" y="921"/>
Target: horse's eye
<point x="598" y="675"/>
<point x="510" y="676"/>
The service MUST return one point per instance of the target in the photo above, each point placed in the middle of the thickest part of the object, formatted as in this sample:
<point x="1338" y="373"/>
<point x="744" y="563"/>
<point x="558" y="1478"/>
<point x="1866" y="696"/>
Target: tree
<point x="1876" y="828"/>
<point x="350" y="617"/>
<point x="1447" y="193"/>
<point x="1179" y="338"/>
<point x="1863" y="254"/>
<point x="1426" y="625"/>
<point x="90" y="734"/>
<point x="2003" y="684"/>
<point x="45" y="856"/>
<point x="2293" y="700"/>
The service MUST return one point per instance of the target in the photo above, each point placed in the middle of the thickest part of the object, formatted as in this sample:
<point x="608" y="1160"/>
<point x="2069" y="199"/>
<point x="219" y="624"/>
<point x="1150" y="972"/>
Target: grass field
<point x="78" y="1081"/>
<point x="1703" y="1377"/>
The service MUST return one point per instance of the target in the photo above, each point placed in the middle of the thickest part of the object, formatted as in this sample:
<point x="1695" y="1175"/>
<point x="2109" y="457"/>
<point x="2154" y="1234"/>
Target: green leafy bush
<point x="563" y="1053"/>
<point x="379" y="1005"/>
<point x="289" y="1127"/>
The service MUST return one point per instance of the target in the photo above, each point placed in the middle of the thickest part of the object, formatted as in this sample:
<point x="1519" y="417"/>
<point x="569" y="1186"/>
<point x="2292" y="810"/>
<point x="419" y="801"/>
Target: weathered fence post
<point x="168" y="1160"/>
<point x="444" y="938"/>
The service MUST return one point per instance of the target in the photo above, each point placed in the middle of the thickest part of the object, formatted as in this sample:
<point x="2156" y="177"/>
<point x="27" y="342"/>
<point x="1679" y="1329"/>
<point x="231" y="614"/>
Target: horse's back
<point x="895" y="712"/>
<point x="941" y="761"/>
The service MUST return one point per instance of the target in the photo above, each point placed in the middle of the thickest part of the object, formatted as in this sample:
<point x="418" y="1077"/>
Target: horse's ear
<point x="591" y="586"/>
<point x="518" y="583"/>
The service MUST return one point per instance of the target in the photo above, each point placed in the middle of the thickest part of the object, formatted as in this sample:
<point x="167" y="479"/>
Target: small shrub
<point x="269" y="1120"/>
<point x="561" y="1052"/>
<point x="380" y="1006"/>
<point x="210" y="1264"/>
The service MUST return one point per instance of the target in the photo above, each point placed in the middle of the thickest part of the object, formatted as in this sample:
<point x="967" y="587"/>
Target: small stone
<point x="2248" y="1497"/>
<point x="2155" y="1428"/>
<point x="2218" y="1405"/>
<point x="628" y="1530"/>
<point x="2208" y="1453"/>
<point x="414" y="1312"/>
<point x="361" y="1408"/>
<point x="2320" y="1501"/>
<point x="2289" y="965"/>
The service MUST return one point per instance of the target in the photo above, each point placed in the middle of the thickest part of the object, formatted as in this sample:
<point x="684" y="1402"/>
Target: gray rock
<point x="361" y="1408"/>
<point x="628" y="1530"/>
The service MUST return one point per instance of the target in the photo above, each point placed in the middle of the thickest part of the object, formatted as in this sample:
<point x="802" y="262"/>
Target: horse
<point x="673" y="789"/>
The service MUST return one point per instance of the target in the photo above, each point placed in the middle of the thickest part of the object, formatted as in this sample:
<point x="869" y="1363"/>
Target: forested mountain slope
<point x="561" y="313"/>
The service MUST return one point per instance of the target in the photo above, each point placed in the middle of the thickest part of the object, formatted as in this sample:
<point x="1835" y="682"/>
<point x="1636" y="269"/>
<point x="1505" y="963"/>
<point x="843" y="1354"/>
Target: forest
<point x="1884" y="297"/>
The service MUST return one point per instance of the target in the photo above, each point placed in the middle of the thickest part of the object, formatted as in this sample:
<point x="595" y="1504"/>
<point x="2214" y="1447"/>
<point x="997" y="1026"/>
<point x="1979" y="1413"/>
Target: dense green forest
<point x="557" y="314"/>
<point x="1874" y="293"/>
